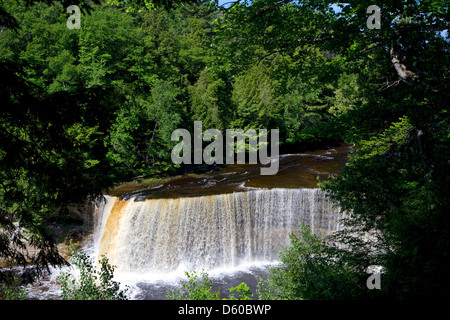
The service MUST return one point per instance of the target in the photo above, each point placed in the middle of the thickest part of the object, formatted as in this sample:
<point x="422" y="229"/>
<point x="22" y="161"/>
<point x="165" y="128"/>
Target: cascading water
<point x="222" y="231"/>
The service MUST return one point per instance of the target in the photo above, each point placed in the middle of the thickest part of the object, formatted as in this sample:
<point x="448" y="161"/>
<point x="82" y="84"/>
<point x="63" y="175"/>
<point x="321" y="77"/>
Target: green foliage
<point x="386" y="92"/>
<point x="14" y="291"/>
<point x="208" y="100"/>
<point x="310" y="270"/>
<point x="395" y="186"/>
<point x="106" y="48"/>
<point x="197" y="287"/>
<point x="89" y="283"/>
<point x="240" y="292"/>
<point x="396" y="194"/>
<point x="254" y="97"/>
<point x="140" y="5"/>
<point x="140" y="139"/>
<point x="51" y="156"/>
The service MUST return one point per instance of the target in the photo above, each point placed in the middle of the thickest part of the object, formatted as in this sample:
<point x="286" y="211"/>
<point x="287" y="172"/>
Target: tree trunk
<point x="406" y="75"/>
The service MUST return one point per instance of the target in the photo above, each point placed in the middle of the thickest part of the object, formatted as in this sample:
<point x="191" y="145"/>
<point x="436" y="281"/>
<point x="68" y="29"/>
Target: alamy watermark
<point x="235" y="140"/>
<point x="74" y="21"/>
<point x="374" y="281"/>
<point x="374" y="20"/>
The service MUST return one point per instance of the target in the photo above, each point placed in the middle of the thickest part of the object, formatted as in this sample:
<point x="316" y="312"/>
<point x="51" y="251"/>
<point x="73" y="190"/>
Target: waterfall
<point x="214" y="231"/>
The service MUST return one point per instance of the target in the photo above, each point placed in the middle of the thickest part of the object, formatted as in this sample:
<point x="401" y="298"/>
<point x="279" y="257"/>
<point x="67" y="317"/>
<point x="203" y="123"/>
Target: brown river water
<point x="301" y="170"/>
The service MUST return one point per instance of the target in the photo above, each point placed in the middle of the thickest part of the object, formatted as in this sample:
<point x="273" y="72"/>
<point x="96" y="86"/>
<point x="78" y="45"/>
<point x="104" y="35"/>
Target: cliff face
<point x="75" y="228"/>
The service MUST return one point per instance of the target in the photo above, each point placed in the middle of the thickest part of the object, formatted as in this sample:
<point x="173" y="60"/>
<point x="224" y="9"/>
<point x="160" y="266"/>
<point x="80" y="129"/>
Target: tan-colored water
<point x="212" y="231"/>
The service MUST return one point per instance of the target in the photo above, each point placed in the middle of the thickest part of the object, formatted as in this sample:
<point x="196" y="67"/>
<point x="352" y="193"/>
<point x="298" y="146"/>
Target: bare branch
<point x="233" y="4"/>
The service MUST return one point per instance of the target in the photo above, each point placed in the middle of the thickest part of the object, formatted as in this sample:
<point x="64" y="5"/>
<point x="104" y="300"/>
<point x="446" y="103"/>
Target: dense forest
<point x="85" y="109"/>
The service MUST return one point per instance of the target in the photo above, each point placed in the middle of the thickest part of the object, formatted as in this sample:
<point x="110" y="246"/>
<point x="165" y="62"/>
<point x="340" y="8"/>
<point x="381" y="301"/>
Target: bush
<point x="310" y="270"/>
<point x="14" y="291"/>
<point x="90" y="284"/>
<point x="197" y="287"/>
<point x="240" y="292"/>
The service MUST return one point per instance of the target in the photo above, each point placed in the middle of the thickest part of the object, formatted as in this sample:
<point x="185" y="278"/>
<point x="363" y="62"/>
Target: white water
<point x="163" y="238"/>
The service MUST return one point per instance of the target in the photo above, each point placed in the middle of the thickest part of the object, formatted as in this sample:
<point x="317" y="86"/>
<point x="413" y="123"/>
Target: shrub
<point x="14" y="291"/>
<point x="310" y="270"/>
<point x="197" y="287"/>
<point x="89" y="283"/>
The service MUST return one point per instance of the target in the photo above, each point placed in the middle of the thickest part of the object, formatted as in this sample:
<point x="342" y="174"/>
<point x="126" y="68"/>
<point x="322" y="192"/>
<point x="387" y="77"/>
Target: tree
<point x="208" y="101"/>
<point x="294" y="87"/>
<point x="254" y="97"/>
<point x="51" y="156"/>
<point x="396" y="183"/>
<point x="52" y="153"/>
<point x="311" y="270"/>
<point x="107" y="48"/>
<point x="140" y="139"/>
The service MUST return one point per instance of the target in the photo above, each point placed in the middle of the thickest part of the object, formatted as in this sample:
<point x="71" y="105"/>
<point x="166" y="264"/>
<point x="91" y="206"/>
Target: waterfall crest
<point x="214" y="231"/>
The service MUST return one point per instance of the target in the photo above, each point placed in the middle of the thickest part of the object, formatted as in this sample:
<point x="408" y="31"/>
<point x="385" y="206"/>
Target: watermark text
<point x="235" y="140"/>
